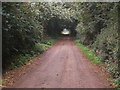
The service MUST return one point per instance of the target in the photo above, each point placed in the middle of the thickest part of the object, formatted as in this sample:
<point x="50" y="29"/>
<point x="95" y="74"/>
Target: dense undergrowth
<point x="39" y="48"/>
<point x="98" y="30"/>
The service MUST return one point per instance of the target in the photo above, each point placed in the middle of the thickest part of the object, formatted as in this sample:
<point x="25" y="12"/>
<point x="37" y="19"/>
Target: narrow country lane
<point x="63" y="66"/>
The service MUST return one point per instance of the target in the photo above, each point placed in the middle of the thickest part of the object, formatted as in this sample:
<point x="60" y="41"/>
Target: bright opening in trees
<point x="65" y="32"/>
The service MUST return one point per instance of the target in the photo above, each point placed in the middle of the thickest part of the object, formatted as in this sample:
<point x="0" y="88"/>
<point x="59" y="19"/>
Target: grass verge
<point x="89" y="53"/>
<point x="39" y="48"/>
<point x="96" y="60"/>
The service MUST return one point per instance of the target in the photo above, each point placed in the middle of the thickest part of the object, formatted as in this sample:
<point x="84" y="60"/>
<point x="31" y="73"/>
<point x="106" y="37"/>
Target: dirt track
<point x="63" y="66"/>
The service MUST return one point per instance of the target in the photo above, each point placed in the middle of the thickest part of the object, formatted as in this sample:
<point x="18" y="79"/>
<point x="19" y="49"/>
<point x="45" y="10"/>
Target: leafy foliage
<point x="26" y="23"/>
<point x="23" y="26"/>
<point x="95" y="24"/>
<point x="98" y="29"/>
<point x="20" y="29"/>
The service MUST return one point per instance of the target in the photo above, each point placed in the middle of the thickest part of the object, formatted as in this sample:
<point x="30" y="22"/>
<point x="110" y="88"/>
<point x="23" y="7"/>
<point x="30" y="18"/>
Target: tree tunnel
<point x="55" y="26"/>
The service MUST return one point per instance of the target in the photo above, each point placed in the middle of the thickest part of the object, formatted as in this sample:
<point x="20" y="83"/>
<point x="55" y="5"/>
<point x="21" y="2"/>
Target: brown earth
<point x="63" y="66"/>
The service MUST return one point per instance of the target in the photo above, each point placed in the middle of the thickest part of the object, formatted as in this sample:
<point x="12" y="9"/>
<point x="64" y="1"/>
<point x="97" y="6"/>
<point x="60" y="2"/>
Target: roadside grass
<point x="39" y="48"/>
<point x="117" y="83"/>
<point x="2" y="82"/>
<point x="96" y="60"/>
<point x="89" y="53"/>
